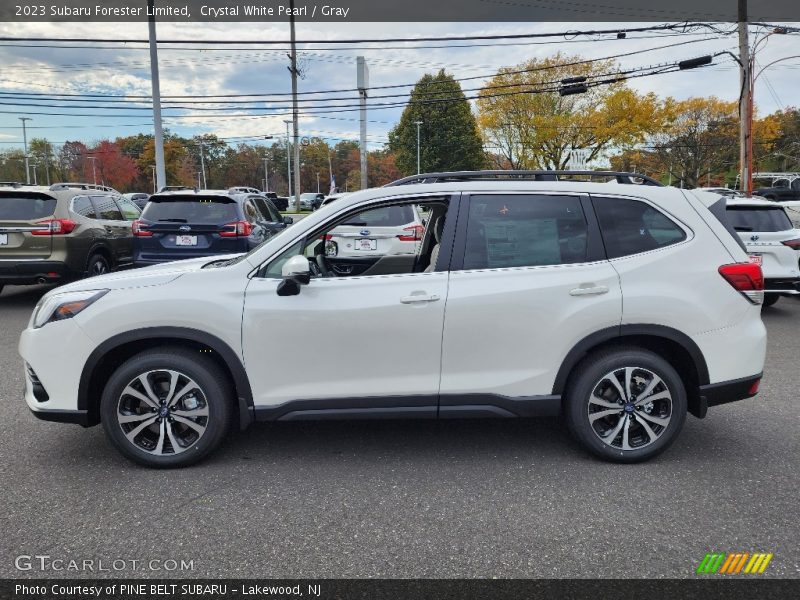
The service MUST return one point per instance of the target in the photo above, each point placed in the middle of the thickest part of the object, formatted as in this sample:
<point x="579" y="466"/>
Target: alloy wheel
<point x="630" y="408"/>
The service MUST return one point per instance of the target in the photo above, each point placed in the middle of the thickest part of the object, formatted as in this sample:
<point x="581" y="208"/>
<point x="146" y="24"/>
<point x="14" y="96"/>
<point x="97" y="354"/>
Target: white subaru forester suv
<point x="620" y="308"/>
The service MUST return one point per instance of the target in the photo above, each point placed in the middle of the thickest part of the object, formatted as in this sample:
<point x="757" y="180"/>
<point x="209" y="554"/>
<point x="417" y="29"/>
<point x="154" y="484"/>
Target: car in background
<point x="280" y="202"/>
<point x="772" y="241"/>
<point x="181" y="225"/>
<point x="168" y="189"/>
<point x="313" y="200"/>
<point x="269" y="218"/>
<point x="244" y="190"/>
<point x="138" y="198"/>
<point x="389" y="231"/>
<point x="334" y="197"/>
<point x="782" y="189"/>
<point x="63" y="232"/>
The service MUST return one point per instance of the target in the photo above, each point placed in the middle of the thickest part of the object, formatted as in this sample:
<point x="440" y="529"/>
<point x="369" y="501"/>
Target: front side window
<point x="524" y="231"/>
<point x="632" y="226"/>
<point x="106" y="208"/>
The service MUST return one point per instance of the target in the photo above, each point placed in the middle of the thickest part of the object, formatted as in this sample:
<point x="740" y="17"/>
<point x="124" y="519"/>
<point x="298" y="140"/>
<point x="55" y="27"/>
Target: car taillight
<point x="55" y="227"/>
<point x="416" y="233"/>
<point x="746" y="278"/>
<point x="236" y="229"/>
<point x="328" y="237"/>
<point x="139" y="229"/>
<point x="793" y="244"/>
<point x="754" y="387"/>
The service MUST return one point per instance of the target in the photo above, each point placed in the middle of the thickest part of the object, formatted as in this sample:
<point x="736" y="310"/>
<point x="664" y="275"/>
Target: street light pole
<point x="94" y="171"/>
<point x="744" y="98"/>
<point x="202" y="166"/>
<point x="418" y="123"/>
<point x="153" y="172"/>
<point x="288" y="159"/>
<point x="25" y="142"/>
<point x="295" y="113"/>
<point x="266" y="174"/>
<point x="158" y="133"/>
<point x="318" y="182"/>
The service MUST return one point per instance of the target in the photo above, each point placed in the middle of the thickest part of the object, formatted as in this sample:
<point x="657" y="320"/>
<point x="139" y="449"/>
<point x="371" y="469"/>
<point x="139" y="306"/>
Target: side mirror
<point x="297" y="268"/>
<point x="288" y="220"/>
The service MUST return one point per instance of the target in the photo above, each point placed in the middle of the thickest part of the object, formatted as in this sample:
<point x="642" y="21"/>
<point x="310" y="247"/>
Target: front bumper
<point x="77" y="417"/>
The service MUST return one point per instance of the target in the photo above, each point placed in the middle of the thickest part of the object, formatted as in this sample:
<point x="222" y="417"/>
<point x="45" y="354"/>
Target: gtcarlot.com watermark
<point x="41" y="563"/>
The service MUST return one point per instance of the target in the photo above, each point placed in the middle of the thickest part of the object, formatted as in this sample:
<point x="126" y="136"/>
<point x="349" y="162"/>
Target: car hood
<point x="143" y="277"/>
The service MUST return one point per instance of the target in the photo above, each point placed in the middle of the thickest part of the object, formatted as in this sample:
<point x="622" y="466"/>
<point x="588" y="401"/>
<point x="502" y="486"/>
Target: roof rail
<point x="13" y="184"/>
<point x="81" y="186"/>
<point x="620" y="176"/>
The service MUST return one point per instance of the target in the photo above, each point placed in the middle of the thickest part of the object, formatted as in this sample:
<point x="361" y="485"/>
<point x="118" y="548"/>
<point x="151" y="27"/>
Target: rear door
<point x="529" y="280"/>
<point x="130" y="212"/>
<point x="763" y="229"/>
<point x="19" y="214"/>
<point x="117" y="229"/>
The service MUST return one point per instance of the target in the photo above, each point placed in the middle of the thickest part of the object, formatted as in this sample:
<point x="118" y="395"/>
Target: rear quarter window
<point x="15" y="208"/>
<point x="632" y="226"/>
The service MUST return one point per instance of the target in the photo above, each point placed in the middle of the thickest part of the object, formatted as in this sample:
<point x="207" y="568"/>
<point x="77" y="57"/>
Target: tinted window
<point x="202" y="211"/>
<point x="521" y="231"/>
<point x="106" y="208"/>
<point x="758" y="219"/>
<point x="83" y="206"/>
<point x="268" y="210"/>
<point x="251" y="213"/>
<point x="26" y="209"/>
<point x="129" y="210"/>
<point x="388" y="216"/>
<point x="630" y="227"/>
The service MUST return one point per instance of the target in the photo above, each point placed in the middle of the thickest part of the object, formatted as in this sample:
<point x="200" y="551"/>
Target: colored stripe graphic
<point x="733" y="563"/>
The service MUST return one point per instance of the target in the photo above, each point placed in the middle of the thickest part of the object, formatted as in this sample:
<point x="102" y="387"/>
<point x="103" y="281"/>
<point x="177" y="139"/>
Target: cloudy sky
<point x="111" y="69"/>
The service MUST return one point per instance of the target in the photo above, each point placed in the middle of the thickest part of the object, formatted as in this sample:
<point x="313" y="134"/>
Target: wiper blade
<point x="172" y="221"/>
<point x="743" y="228"/>
<point x="356" y="224"/>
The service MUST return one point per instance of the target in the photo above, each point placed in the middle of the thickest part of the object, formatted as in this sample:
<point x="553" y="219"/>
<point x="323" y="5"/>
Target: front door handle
<point x="589" y="290"/>
<point x="420" y="297"/>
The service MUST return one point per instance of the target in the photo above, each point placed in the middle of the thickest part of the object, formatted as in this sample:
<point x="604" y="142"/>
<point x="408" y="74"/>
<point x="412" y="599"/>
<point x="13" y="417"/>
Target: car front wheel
<point x="625" y="405"/>
<point x="166" y="408"/>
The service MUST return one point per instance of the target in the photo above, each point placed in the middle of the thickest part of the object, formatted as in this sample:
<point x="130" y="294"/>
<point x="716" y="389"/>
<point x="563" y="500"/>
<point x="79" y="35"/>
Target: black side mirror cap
<point x="288" y="287"/>
<point x="288" y="220"/>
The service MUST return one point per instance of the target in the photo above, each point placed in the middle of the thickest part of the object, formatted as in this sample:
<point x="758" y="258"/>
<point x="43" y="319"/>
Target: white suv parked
<point x="772" y="241"/>
<point x="621" y="309"/>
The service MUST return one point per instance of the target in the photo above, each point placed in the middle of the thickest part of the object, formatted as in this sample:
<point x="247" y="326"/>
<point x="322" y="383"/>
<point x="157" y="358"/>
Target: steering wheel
<point x="322" y="266"/>
<point x="314" y="268"/>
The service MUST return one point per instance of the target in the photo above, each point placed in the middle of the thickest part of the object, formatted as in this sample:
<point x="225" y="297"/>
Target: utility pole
<point x="266" y="174"/>
<point x="161" y="170"/>
<point x="153" y="172"/>
<point x="33" y="166"/>
<point x="25" y="142"/>
<point x="318" y="182"/>
<point x="418" y="123"/>
<point x="47" y="162"/>
<point x="94" y="171"/>
<point x="288" y="160"/>
<point x="362" y="79"/>
<point x="295" y="115"/>
<point x="745" y="176"/>
<point x="202" y="166"/>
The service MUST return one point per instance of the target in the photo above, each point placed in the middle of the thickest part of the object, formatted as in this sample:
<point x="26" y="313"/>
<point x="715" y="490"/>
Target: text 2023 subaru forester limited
<point x="620" y="307"/>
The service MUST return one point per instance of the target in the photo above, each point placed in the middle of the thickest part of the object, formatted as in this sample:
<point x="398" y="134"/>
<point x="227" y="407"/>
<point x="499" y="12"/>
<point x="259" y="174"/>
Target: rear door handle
<point x="592" y="290"/>
<point x="419" y="298"/>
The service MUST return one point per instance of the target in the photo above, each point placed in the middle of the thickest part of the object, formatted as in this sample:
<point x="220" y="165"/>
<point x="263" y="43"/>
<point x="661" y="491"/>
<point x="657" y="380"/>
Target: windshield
<point x="758" y="219"/>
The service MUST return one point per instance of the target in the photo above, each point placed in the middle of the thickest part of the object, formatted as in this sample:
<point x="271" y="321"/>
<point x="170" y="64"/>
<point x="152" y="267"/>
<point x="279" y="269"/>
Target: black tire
<point x="770" y="299"/>
<point x="215" y="398"/>
<point x="97" y="265"/>
<point x="589" y="377"/>
<point x="1" y="288"/>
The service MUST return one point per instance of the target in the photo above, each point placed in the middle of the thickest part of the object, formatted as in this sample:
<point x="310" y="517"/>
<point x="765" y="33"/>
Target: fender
<point x="604" y="335"/>
<point x="229" y="357"/>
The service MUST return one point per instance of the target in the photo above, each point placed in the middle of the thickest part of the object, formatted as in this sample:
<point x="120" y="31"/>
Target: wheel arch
<point x="674" y="346"/>
<point x="104" y="251"/>
<point x="114" y="351"/>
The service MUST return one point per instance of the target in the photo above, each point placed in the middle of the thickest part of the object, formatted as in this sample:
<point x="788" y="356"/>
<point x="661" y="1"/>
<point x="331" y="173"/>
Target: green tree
<point x="449" y="138"/>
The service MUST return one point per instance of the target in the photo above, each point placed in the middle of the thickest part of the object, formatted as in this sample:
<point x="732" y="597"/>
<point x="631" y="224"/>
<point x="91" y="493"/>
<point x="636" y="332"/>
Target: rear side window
<point x="387" y="216"/>
<point x="129" y="210"/>
<point x="524" y="231"/>
<point x="107" y="209"/>
<point x="632" y="227"/>
<point x="201" y="211"/>
<point x="83" y="206"/>
<point x="758" y="219"/>
<point x="14" y="208"/>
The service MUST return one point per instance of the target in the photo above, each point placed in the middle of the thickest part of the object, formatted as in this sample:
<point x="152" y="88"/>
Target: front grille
<point x="38" y="389"/>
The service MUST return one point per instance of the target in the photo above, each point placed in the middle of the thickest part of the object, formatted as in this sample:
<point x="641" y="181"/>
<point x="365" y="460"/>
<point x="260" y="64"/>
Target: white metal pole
<point x="744" y="99"/>
<point x="25" y="143"/>
<point x="266" y="174"/>
<point x="418" y="124"/>
<point x="295" y="114"/>
<point x="202" y="167"/>
<point x="161" y="170"/>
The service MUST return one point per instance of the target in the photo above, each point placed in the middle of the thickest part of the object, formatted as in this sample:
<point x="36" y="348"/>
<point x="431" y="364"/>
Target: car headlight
<point x="66" y="305"/>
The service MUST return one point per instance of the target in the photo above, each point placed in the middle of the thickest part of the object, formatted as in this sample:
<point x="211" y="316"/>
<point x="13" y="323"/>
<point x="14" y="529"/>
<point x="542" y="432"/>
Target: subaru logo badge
<point x="364" y="232"/>
<point x="185" y="228"/>
<point x="753" y="238"/>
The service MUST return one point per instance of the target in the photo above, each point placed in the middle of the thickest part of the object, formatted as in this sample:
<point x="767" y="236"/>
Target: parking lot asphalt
<point x="408" y="499"/>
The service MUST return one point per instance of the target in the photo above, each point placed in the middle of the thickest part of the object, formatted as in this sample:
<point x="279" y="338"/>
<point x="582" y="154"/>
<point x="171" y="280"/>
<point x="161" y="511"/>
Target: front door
<point x="354" y="344"/>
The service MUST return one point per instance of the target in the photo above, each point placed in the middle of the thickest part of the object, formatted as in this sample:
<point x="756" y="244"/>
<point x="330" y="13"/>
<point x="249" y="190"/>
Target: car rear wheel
<point x="770" y="299"/>
<point x="166" y="408"/>
<point x="97" y="265"/>
<point x="625" y="405"/>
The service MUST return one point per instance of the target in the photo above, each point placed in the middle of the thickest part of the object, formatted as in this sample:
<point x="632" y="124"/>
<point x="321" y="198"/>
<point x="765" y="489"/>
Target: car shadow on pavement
<point x="19" y="296"/>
